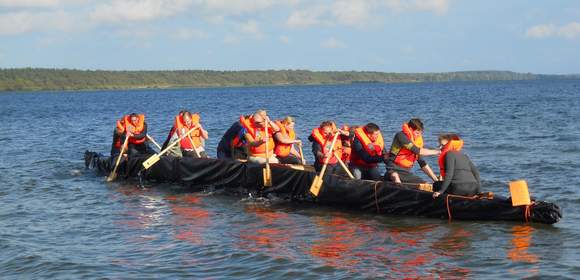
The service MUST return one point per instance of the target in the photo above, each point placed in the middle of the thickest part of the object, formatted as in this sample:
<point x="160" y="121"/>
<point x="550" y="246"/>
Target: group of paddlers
<point x="358" y="150"/>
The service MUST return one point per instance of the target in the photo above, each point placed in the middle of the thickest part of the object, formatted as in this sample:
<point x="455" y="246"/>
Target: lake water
<point x="58" y="220"/>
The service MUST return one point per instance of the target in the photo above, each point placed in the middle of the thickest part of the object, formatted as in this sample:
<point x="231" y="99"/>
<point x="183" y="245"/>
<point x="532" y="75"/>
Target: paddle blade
<point x="520" y="193"/>
<point x="316" y="184"/>
<point x="267" y="174"/>
<point x="151" y="161"/>
<point x="112" y="177"/>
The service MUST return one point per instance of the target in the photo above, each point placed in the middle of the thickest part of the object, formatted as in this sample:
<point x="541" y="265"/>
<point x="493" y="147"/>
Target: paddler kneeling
<point x="407" y="147"/>
<point x="368" y="149"/>
<point x="460" y="176"/>
<point x="321" y="139"/>
<point x="285" y="150"/>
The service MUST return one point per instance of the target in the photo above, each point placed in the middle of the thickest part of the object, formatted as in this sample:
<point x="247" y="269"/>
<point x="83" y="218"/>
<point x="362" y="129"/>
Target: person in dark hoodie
<point x="460" y="176"/>
<point x="368" y="149"/>
<point x="135" y="126"/>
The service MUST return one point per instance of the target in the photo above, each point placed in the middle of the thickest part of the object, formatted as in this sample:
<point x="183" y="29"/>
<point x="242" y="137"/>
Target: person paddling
<point x="193" y="144"/>
<point x="368" y="149"/>
<point x="406" y="149"/>
<point x="231" y="145"/>
<point x="135" y="126"/>
<point x="285" y="150"/>
<point x="460" y="176"/>
<point x="321" y="139"/>
<point x="259" y="131"/>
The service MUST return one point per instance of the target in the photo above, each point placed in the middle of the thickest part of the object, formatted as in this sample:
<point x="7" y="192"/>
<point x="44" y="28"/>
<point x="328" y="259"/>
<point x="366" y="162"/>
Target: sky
<point x="540" y="36"/>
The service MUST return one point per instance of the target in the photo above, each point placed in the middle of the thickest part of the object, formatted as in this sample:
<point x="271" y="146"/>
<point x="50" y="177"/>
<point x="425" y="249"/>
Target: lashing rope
<point x="475" y="197"/>
<point x="528" y="213"/>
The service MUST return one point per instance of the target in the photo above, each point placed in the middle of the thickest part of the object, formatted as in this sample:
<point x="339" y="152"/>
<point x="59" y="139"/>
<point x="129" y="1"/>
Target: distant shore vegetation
<point x="39" y="79"/>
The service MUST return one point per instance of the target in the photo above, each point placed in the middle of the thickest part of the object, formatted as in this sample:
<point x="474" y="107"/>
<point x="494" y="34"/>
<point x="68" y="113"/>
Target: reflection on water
<point x="519" y="251"/>
<point x="271" y="233"/>
<point x="190" y="218"/>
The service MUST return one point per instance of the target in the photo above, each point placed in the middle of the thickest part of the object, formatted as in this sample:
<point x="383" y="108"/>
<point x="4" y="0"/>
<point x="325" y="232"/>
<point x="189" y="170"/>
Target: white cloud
<point x="231" y="40"/>
<point x="189" y="34"/>
<point x="307" y="17"/>
<point x="332" y="43"/>
<point x="568" y="31"/>
<point x="24" y="22"/>
<point x="28" y="3"/>
<point x="439" y="7"/>
<point x="353" y="13"/>
<point x="138" y="10"/>
<point x="251" y="27"/>
<point x="284" y="39"/>
<point x="541" y="31"/>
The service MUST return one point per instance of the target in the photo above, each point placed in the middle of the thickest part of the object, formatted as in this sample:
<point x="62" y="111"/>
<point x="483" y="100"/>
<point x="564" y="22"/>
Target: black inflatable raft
<point x="290" y="183"/>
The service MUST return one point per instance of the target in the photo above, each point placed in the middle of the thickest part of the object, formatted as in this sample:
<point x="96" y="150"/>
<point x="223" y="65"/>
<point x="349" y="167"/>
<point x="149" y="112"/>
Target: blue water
<point x="58" y="220"/>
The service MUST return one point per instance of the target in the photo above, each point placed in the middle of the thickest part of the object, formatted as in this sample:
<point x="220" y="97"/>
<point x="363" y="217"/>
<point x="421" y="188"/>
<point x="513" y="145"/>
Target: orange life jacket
<point x="120" y="129"/>
<point x="406" y="158"/>
<point x="453" y="145"/>
<point x="318" y="136"/>
<point x="195" y="135"/>
<point x="283" y="150"/>
<point x="138" y="128"/>
<point x="258" y="151"/>
<point x="373" y="148"/>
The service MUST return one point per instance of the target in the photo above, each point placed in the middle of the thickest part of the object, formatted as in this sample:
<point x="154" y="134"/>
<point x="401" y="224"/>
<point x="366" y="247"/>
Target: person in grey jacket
<point x="460" y="176"/>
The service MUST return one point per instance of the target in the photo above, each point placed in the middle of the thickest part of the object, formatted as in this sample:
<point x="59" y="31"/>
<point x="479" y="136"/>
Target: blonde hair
<point x="261" y="112"/>
<point x="288" y="119"/>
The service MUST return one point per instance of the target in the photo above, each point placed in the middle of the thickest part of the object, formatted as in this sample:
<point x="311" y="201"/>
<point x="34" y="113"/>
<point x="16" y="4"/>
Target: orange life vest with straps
<point x="373" y="148"/>
<point x="195" y="135"/>
<point x="453" y="145"/>
<point x="137" y="128"/>
<point x="406" y="158"/>
<point x="283" y="150"/>
<point x="120" y="129"/>
<point x="258" y="151"/>
<point x="318" y="136"/>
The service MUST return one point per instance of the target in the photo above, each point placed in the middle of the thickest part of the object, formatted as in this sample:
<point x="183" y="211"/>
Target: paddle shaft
<point x="193" y="145"/>
<point x="328" y="158"/>
<point x="174" y="143"/>
<point x="114" y="172"/>
<point x="344" y="166"/>
<point x="301" y="153"/>
<point x="153" y="141"/>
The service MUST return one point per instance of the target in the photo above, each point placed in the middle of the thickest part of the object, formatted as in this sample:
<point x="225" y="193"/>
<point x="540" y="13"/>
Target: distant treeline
<point x="30" y="79"/>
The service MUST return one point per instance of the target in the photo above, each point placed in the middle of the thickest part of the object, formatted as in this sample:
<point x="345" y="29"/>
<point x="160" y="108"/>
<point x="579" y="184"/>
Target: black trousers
<point x="139" y="149"/>
<point x="405" y="176"/>
<point x="192" y="154"/>
<point x="290" y="159"/>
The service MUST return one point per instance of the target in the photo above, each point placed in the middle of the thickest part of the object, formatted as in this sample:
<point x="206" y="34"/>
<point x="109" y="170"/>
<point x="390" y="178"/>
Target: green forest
<point x="36" y="79"/>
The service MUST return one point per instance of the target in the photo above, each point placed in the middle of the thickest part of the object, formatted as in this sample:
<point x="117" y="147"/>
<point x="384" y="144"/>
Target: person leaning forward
<point x="407" y="147"/>
<point x="460" y="176"/>
<point x="193" y="144"/>
<point x="135" y="126"/>
<point x="259" y="131"/>
<point x="368" y="149"/>
<point x="321" y="139"/>
<point x="285" y="140"/>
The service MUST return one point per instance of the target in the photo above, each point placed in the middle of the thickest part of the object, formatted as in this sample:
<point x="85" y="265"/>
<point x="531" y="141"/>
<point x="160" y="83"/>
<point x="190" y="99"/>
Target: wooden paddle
<point x="344" y="166"/>
<point x="267" y="172"/>
<point x="153" y="141"/>
<point x="301" y="153"/>
<point x="113" y="174"/>
<point x="193" y="144"/>
<point x="156" y="157"/>
<point x="317" y="182"/>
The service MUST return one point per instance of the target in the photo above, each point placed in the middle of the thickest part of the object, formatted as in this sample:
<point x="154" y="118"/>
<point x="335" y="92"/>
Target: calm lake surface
<point x="58" y="220"/>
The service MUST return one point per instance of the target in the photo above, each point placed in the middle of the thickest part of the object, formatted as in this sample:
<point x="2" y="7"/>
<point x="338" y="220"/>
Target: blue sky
<point x="375" y="35"/>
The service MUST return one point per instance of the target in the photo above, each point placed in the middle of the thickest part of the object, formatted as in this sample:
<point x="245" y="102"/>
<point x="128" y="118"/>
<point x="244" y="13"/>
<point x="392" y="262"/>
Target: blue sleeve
<point x="359" y="150"/>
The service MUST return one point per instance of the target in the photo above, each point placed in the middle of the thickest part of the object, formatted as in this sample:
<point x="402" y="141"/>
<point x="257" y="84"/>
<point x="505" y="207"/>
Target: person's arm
<point x="317" y="150"/>
<point x="427" y="169"/>
<point x="284" y="139"/>
<point x="251" y="142"/>
<point x="406" y="142"/>
<point x="359" y="149"/>
<point x="449" y="162"/>
<point x="204" y="133"/>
